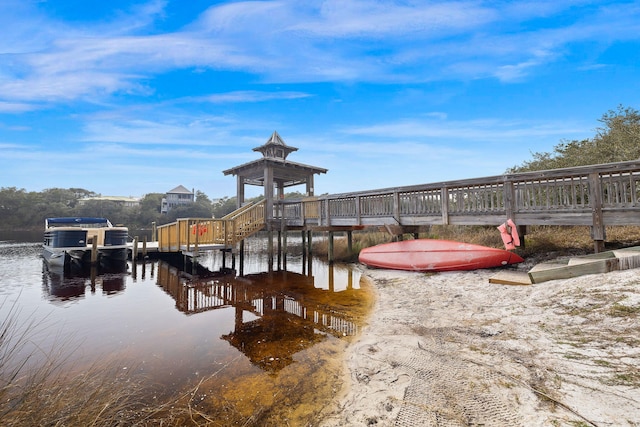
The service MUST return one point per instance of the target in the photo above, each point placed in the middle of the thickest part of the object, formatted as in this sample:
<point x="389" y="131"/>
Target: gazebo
<point x="273" y="170"/>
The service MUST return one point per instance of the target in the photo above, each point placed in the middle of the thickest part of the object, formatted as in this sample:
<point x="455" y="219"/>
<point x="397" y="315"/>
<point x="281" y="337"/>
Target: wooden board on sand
<point x="511" y="277"/>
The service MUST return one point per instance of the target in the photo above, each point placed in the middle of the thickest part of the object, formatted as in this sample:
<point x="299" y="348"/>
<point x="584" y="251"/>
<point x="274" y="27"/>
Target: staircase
<point x="188" y="234"/>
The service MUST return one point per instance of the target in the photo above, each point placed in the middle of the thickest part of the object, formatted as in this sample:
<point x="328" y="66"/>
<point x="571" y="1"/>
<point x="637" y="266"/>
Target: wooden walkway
<point x="596" y="196"/>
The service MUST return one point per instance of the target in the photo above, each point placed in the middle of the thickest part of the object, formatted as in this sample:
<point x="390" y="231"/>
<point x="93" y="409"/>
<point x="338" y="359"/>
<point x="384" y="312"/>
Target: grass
<point x="540" y="242"/>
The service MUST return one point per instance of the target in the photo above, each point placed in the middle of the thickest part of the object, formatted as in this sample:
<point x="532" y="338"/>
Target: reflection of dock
<point x="259" y="294"/>
<point x="276" y="314"/>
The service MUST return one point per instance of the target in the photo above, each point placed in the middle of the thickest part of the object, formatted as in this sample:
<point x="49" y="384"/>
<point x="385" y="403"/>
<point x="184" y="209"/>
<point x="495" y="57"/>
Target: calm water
<point x="269" y="341"/>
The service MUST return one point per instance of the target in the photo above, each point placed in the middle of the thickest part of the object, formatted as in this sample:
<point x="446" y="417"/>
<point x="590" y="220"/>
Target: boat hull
<point x="71" y="241"/>
<point x="435" y="255"/>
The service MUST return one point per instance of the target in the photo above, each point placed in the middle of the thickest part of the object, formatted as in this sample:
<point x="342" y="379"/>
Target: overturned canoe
<point x="435" y="255"/>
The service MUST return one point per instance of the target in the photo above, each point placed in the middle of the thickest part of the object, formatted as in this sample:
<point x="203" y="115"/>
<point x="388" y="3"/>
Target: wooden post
<point x="304" y="242"/>
<point x="350" y="242"/>
<point x="241" y="258"/>
<point x="509" y="200"/>
<point x="595" y="200"/>
<point x="134" y="255"/>
<point x="330" y="247"/>
<point x="444" y="205"/>
<point x="270" y="249"/>
<point x="144" y="247"/>
<point x="94" y="250"/>
<point x="284" y="249"/>
<point x="154" y="232"/>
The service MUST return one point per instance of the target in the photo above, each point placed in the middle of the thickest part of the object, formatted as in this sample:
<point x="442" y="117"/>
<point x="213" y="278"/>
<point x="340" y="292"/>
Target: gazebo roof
<point x="285" y="172"/>
<point x="275" y="147"/>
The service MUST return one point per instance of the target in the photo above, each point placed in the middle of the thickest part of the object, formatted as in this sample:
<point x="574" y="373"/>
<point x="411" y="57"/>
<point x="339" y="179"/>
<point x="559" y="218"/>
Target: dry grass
<point x="541" y="242"/>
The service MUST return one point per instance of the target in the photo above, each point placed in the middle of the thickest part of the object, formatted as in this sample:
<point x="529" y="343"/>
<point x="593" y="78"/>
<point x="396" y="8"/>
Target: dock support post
<point x="279" y="248"/>
<point x="94" y="251"/>
<point x="134" y="255"/>
<point x="304" y="242"/>
<point x="330" y="247"/>
<point x="284" y="250"/>
<point x="309" y="242"/>
<point x="242" y="258"/>
<point x="270" y="249"/>
<point x="350" y="242"/>
<point x="144" y="247"/>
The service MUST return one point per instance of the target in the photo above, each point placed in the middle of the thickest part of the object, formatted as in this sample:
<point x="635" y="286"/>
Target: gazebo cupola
<point x="275" y="148"/>
<point x="273" y="171"/>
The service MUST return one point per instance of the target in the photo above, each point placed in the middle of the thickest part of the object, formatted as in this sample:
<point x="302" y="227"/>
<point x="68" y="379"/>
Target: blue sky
<point x="135" y="97"/>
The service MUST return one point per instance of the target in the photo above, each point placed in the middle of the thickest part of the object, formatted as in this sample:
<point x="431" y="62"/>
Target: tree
<point x="616" y="141"/>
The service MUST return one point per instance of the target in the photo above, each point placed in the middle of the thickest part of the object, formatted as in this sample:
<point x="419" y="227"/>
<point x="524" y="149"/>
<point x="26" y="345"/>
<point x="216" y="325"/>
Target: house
<point x="179" y="196"/>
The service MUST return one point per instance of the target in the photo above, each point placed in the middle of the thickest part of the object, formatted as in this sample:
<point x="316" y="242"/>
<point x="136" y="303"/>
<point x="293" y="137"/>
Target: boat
<point x="78" y="241"/>
<point x="435" y="255"/>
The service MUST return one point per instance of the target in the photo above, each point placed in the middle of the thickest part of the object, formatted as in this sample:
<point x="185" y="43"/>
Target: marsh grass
<point x="540" y="242"/>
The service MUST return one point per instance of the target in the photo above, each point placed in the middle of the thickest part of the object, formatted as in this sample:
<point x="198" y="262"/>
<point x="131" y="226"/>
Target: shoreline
<point x="454" y="349"/>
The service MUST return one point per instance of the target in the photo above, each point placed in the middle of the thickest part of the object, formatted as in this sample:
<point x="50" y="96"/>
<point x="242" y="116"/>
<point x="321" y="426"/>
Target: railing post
<point x="358" y="216"/>
<point x="396" y="206"/>
<point x="327" y="214"/>
<point x="595" y="200"/>
<point x="509" y="199"/>
<point x="444" y="202"/>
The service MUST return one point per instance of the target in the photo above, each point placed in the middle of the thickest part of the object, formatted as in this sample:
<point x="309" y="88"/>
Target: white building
<point x="179" y="196"/>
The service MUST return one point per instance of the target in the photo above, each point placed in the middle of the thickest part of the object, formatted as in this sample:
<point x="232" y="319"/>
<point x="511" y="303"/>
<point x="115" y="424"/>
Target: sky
<point x="126" y="98"/>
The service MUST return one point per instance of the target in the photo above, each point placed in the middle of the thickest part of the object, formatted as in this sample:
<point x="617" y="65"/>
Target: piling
<point x="134" y="255"/>
<point x="94" y="251"/>
<point x="330" y="247"/>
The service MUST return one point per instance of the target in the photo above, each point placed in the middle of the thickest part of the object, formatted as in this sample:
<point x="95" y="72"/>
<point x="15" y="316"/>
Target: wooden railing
<point x="189" y="234"/>
<point x="597" y="195"/>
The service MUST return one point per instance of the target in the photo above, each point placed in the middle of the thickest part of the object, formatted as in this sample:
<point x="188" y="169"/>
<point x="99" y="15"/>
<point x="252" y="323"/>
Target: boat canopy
<point x="70" y="221"/>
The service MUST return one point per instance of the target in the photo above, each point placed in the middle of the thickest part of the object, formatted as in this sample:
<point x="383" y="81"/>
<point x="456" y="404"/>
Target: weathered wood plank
<point x="511" y="277"/>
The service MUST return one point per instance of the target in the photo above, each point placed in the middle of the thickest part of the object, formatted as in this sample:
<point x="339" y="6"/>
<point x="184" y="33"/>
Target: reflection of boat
<point x="71" y="241"/>
<point x="71" y="283"/>
<point x="435" y="255"/>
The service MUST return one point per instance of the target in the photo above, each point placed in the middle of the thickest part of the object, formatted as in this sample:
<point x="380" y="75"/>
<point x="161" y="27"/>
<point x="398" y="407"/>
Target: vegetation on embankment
<point x="540" y="242"/>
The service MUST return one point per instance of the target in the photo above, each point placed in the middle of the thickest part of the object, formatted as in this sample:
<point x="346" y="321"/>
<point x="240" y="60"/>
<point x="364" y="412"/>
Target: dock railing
<point x="189" y="234"/>
<point x="596" y="195"/>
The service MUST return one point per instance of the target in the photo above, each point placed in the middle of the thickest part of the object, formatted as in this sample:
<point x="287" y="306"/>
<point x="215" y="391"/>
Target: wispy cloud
<point x="291" y="41"/>
<point x="250" y="96"/>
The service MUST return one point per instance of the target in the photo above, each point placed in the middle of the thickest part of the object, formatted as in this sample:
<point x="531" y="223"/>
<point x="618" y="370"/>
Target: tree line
<point x="617" y="139"/>
<point x="27" y="210"/>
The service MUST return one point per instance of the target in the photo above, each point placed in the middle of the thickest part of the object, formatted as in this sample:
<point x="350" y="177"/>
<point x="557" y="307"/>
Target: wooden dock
<point x="595" y="196"/>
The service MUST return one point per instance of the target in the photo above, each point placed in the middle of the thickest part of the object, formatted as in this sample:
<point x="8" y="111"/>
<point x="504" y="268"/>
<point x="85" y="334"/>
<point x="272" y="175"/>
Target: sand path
<point x="452" y="349"/>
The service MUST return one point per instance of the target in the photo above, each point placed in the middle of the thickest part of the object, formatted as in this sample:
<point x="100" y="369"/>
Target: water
<point x="260" y="348"/>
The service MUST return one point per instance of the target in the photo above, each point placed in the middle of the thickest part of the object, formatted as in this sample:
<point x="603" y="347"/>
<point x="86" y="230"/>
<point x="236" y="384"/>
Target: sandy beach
<point x="452" y="349"/>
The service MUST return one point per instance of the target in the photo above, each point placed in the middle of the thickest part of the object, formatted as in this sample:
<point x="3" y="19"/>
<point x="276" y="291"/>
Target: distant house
<point x="127" y="202"/>
<point x="179" y="196"/>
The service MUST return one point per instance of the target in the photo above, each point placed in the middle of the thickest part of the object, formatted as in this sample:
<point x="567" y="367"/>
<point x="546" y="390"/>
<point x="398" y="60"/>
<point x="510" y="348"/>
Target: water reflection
<point x="69" y="284"/>
<point x="277" y="313"/>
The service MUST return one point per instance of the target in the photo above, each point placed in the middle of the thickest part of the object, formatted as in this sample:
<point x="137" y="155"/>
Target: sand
<point x="452" y="349"/>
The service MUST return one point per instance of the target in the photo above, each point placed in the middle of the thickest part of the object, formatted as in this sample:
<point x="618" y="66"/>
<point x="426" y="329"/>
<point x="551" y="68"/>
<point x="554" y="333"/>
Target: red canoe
<point x="435" y="255"/>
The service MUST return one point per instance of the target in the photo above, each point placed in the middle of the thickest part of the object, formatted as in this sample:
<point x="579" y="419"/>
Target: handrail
<point x="596" y="195"/>
<point x="191" y="233"/>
